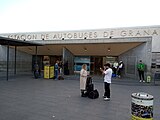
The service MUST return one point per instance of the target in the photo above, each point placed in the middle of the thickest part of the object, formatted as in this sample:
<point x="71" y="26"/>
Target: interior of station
<point x="94" y="55"/>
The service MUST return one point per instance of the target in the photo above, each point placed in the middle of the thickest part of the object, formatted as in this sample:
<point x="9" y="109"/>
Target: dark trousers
<point x="141" y="75"/>
<point x="114" y="70"/>
<point x="39" y="72"/>
<point x="107" y="89"/>
<point x="119" y="71"/>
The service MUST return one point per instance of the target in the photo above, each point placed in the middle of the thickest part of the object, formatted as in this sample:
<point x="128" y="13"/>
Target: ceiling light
<point x="109" y="49"/>
<point x="85" y="49"/>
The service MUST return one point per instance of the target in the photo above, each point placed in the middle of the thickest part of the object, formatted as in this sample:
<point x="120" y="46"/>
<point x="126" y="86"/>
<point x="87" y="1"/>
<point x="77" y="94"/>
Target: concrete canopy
<point x="13" y="42"/>
<point x="82" y="49"/>
<point x="89" y="47"/>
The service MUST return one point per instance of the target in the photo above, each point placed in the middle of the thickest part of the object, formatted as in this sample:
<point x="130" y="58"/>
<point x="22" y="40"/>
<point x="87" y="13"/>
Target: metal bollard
<point x="142" y="106"/>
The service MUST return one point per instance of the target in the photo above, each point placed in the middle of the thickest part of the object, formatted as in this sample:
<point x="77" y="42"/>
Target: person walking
<point x="36" y="70"/>
<point x="83" y="79"/>
<point x="141" y="68"/>
<point x="60" y="68"/>
<point x="107" y="71"/>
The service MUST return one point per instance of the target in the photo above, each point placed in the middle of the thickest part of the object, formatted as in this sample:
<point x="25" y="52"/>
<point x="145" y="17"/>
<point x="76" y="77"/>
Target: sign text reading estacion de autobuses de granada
<point x="85" y="35"/>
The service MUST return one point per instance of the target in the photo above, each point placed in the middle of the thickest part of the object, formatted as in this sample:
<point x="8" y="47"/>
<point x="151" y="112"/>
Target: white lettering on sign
<point x="74" y="35"/>
<point x="138" y="33"/>
<point x="23" y="36"/>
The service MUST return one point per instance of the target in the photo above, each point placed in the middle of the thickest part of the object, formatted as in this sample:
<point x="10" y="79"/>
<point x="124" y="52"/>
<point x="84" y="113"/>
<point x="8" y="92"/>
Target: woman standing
<point x="83" y="78"/>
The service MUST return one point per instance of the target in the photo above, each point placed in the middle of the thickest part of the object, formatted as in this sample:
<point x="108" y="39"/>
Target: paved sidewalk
<point x="26" y="98"/>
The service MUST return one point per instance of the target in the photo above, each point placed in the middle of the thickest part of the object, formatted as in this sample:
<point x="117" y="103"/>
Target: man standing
<point x="107" y="71"/>
<point x="140" y="68"/>
<point x="36" y="70"/>
<point x="120" y="68"/>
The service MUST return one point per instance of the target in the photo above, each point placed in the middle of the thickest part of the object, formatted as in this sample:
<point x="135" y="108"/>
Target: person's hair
<point x="107" y="64"/>
<point x="84" y="66"/>
<point x="140" y="60"/>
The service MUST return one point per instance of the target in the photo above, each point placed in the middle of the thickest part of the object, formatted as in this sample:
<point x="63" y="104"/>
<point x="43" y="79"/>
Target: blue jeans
<point x="56" y="74"/>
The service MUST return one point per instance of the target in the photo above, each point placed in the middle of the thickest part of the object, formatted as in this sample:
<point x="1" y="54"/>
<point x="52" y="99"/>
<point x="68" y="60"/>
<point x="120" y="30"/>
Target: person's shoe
<point x="106" y="99"/>
<point x="140" y="81"/>
<point x="83" y="94"/>
<point x="104" y="96"/>
<point x="143" y="81"/>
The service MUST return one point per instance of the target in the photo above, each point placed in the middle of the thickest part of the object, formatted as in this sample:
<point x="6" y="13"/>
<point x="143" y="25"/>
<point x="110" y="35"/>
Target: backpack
<point x="93" y="94"/>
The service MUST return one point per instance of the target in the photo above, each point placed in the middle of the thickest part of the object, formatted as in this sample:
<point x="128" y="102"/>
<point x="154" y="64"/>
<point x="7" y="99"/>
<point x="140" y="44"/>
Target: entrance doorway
<point x="96" y="63"/>
<point x="99" y="61"/>
<point x="43" y="60"/>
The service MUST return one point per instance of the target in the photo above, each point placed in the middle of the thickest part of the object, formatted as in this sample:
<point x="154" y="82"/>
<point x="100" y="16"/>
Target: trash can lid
<point x="142" y="96"/>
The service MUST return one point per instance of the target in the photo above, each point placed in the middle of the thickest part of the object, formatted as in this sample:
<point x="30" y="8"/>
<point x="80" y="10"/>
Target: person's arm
<point x="143" y="66"/>
<point x="121" y="65"/>
<point x="83" y="73"/>
<point x="103" y="71"/>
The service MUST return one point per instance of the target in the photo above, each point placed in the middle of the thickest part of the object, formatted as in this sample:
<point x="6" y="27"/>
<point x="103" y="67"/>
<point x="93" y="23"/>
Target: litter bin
<point x="48" y="71"/>
<point x="142" y="106"/>
<point x="148" y="78"/>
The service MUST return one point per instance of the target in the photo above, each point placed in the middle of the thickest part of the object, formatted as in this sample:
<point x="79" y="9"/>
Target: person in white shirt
<point x="107" y="71"/>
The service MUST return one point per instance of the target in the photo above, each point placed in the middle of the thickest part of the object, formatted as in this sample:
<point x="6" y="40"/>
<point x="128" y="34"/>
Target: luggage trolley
<point x="90" y="91"/>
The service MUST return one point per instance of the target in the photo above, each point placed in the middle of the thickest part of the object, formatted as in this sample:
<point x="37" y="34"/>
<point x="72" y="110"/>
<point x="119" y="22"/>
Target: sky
<point x="71" y="15"/>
